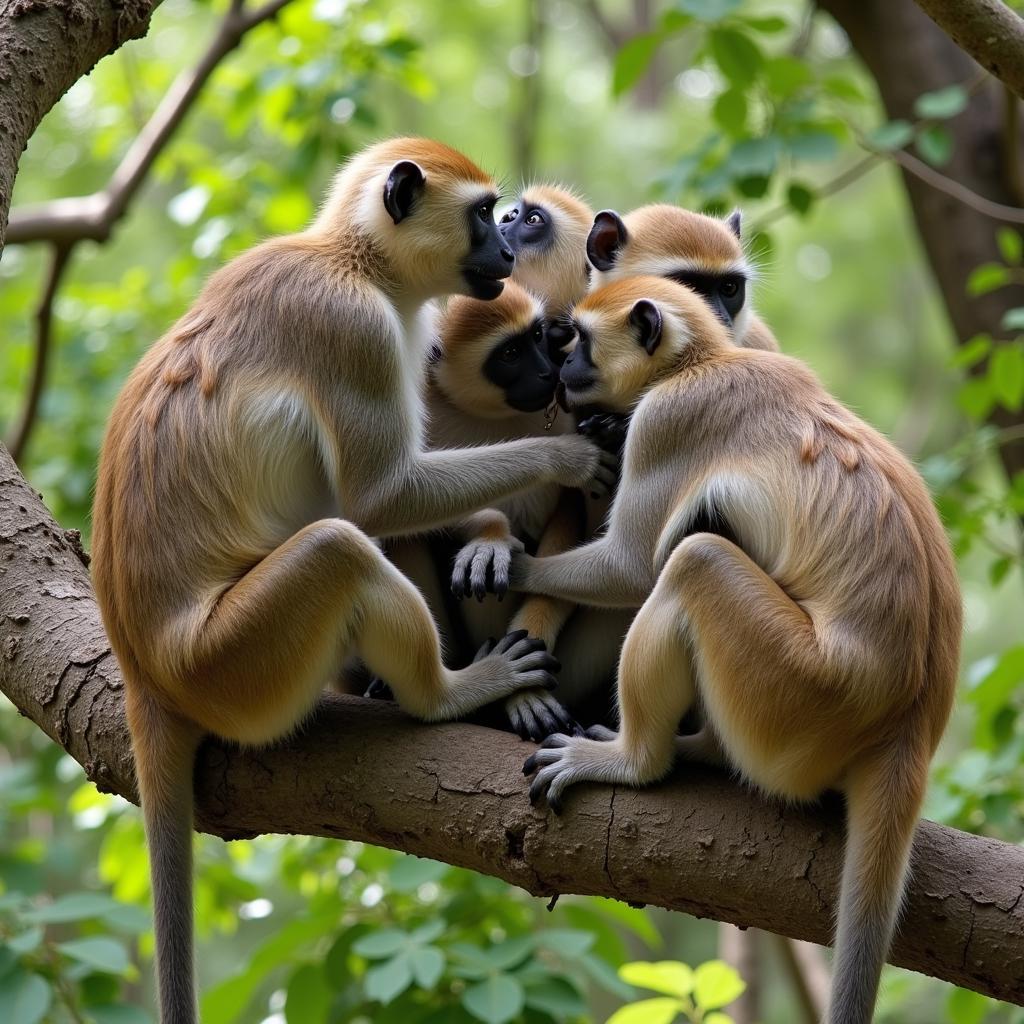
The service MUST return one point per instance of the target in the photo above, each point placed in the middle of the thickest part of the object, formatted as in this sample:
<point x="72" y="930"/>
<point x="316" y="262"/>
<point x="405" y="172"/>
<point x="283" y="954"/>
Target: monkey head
<point x="631" y="334"/>
<point x="546" y="227"/>
<point x="428" y="211"/>
<point x="492" y="357"/>
<point x="701" y="252"/>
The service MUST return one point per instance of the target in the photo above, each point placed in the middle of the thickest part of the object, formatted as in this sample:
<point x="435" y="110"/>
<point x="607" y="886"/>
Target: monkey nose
<point x="507" y="254"/>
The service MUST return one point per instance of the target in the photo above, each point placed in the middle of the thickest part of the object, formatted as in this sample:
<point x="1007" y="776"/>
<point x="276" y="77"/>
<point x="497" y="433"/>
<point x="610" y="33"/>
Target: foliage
<point x="688" y="994"/>
<point x="758" y="104"/>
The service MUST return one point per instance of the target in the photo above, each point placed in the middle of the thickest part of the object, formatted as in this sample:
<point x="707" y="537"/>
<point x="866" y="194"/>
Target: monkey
<point x="251" y="459"/>
<point x="696" y="250"/>
<point x="815" y="610"/>
<point x="547" y="228"/>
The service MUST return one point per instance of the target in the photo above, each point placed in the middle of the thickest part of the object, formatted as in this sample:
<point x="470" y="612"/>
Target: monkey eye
<point x="538" y="331"/>
<point x="509" y="216"/>
<point x="484" y="211"/>
<point x="535" y="218"/>
<point x="510" y="353"/>
<point x="729" y="288"/>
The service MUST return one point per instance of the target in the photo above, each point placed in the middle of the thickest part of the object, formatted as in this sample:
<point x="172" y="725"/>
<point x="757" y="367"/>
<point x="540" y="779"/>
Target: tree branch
<point x="988" y="30"/>
<point x="44" y="334"/>
<point x="362" y="770"/>
<point x="809" y="976"/>
<point x="94" y="216"/>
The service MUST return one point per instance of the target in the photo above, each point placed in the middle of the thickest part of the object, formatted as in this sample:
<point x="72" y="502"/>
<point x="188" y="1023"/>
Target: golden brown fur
<point x="822" y="635"/>
<point x="664" y="238"/>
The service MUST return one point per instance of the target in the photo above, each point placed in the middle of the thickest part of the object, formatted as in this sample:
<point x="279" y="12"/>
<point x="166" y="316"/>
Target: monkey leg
<point x="257" y="664"/>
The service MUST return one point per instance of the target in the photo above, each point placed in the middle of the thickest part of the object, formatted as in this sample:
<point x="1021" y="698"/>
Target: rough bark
<point x="362" y="770"/>
<point x="988" y="30"/>
<point x="45" y="47"/>
<point x="909" y="55"/>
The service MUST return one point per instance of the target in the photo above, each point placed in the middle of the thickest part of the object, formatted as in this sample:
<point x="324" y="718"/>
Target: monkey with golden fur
<point x="253" y="454"/>
<point x="819" y="625"/>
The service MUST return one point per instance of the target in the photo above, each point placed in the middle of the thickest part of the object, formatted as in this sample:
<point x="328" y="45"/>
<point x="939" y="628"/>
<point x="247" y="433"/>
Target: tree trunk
<point x="362" y="770"/>
<point x="909" y="55"/>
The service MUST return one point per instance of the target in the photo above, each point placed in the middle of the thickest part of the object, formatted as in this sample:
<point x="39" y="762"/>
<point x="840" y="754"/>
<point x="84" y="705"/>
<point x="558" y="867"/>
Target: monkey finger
<point x="518" y="721"/>
<point x="538" y="659"/>
<point x="478" y="572"/>
<point x="558" y="740"/>
<point x="460" y="571"/>
<point x="500" y="565"/>
<point x="509" y="640"/>
<point x="541" y="759"/>
<point x="537" y="677"/>
<point x="601" y="733"/>
<point x="539" y="787"/>
<point x="379" y="690"/>
<point x="526" y="645"/>
<point x="486" y="650"/>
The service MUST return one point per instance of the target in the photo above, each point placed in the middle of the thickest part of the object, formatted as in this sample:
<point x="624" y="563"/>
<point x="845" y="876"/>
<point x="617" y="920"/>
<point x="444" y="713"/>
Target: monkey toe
<point x="486" y="650"/>
<point x="600" y="733"/>
<point x="379" y="690"/>
<point x="510" y="640"/>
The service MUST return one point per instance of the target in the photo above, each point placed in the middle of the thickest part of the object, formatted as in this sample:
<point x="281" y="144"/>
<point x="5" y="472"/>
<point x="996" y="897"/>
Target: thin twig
<point x="44" y="338"/>
<point x="808" y="975"/>
<point x="94" y="216"/>
<point x="1011" y="143"/>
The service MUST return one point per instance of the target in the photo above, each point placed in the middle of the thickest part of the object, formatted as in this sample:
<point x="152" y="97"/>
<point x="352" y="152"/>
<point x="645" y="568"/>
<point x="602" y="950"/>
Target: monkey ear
<point x="607" y="236"/>
<point x="734" y="220"/>
<point x="403" y="187"/>
<point x="645" y="319"/>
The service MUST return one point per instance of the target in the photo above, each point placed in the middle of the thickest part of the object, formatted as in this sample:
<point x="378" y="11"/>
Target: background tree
<point x="820" y="122"/>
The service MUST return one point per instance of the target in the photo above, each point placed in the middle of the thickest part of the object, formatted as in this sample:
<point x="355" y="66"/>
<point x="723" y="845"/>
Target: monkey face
<point x="528" y="228"/>
<point x="490" y="259"/>
<point x="520" y="366"/>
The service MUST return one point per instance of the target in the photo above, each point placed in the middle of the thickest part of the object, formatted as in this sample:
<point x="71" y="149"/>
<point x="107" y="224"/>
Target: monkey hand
<point x="606" y="429"/>
<point x="536" y="714"/>
<point x="483" y="565"/>
<point x="563" y="761"/>
<point x="589" y="467"/>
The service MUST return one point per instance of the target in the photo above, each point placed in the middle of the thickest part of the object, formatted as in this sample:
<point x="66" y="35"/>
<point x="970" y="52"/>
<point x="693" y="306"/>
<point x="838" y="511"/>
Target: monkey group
<point x="575" y="419"/>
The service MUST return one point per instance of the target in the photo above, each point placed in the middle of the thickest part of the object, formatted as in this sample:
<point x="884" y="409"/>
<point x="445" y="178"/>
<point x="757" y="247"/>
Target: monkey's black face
<point x="724" y="293"/>
<point x="490" y="258"/>
<point x="519" y="365"/>
<point x="527" y="227"/>
<point x="578" y="373"/>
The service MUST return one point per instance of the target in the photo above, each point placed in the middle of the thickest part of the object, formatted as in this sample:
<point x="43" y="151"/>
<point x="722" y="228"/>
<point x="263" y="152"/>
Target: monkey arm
<point x="439" y="487"/>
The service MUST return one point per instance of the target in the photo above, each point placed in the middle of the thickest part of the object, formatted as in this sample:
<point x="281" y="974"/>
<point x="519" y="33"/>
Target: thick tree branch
<point x="988" y="30"/>
<point x="362" y="770"/>
<point x="44" y="337"/>
<point x="94" y="216"/>
<point x="45" y="47"/>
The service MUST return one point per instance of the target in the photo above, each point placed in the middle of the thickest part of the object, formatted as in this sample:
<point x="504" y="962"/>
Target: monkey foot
<point x="564" y="761"/>
<point x="536" y="714"/>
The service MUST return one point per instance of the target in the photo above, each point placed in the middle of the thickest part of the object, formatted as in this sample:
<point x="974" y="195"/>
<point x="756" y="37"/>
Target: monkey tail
<point x="883" y="799"/>
<point x="165" y="746"/>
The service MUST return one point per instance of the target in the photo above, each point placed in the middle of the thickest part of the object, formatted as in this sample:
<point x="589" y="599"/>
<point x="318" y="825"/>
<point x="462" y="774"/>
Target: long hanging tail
<point x="883" y="799"/>
<point x="165" y="747"/>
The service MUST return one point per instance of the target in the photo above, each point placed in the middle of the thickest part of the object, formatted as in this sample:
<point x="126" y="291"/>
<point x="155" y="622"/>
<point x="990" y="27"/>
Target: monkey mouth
<point x="483" y="286"/>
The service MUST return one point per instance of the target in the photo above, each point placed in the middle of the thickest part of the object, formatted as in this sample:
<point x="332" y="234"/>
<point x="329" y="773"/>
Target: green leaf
<point x="427" y="966"/>
<point x="975" y="397"/>
<point x="8" y="958"/>
<point x="844" y="88"/>
<point x="736" y="54"/>
<point x="800" y="198"/>
<point x="786" y="75"/>
<point x="508" y="954"/>
<point x="648" y="1011"/>
<point x="428" y="932"/>
<point x="987" y="278"/>
<point x="769" y="25"/>
<point x="117" y="1013"/>
<point x="709" y="10"/>
<point x="408" y="873"/>
<point x="496" y="1000"/>
<point x="98" y="952"/>
<point x="27" y="941"/>
<point x="716" y="984"/>
<point x="25" y="997"/>
<point x="1011" y="245"/>
<point x="308" y="996"/>
<point x="387" y="981"/>
<point x="818" y="146"/>
<point x="998" y="569"/>
<point x="890" y="136"/>
<point x="557" y="997"/>
<point x="730" y="111"/>
<point x="76" y="906"/>
<point x="753" y="186"/>
<point x="935" y="144"/>
<point x="633" y="918"/>
<point x="1006" y="372"/>
<point x="378" y="945"/>
<point x="972" y="351"/>
<point x="754" y="157"/>
<point x="942" y="103"/>
<point x="1013" y="319"/>
<point x="567" y="942"/>
<point x="667" y="976"/>
<point x="632" y="61"/>
<point x="717" y="1017"/>
<point x="966" y="1007"/>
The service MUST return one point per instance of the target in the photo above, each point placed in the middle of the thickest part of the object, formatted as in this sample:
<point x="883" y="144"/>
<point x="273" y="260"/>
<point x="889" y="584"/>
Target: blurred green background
<point x="708" y="103"/>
